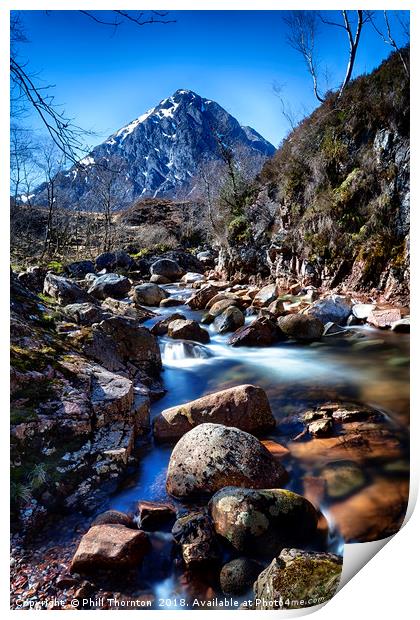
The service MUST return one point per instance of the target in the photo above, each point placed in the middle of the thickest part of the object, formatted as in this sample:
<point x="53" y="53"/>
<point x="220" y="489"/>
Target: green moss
<point x="56" y="266"/>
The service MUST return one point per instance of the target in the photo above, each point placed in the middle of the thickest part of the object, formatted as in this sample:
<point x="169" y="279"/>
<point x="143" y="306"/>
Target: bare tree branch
<point x="389" y="39"/>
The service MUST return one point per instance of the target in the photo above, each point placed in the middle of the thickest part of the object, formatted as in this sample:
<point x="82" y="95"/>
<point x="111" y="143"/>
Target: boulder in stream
<point x="148" y="294"/>
<point x="262" y="522"/>
<point x="260" y="333"/>
<point x="110" y="547"/>
<point x="212" y="456"/>
<point x="332" y="309"/>
<point x="301" y="327"/>
<point x="229" y="320"/>
<point x="188" y="330"/>
<point x="245" y="407"/>
<point x="195" y="533"/>
<point x="305" y="577"/>
<point x="237" y="576"/>
<point x="63" y="290"/>
<point x="167" y="268"/>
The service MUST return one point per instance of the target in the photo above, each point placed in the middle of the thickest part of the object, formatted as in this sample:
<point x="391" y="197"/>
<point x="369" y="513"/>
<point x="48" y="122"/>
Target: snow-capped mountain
<point x="158" y="153"/>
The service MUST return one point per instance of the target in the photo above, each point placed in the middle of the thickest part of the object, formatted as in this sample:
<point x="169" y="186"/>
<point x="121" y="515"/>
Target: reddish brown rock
<point x="109" y="547"/>
<point x="153" y="515"/>
<point x="243" y="406"/>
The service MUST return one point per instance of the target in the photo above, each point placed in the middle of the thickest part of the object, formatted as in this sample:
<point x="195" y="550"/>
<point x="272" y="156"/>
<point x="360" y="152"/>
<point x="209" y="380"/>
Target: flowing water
<point x="368" y="366"/>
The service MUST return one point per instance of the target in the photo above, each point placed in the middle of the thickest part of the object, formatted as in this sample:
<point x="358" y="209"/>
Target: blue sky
<point x="105" y="78"/>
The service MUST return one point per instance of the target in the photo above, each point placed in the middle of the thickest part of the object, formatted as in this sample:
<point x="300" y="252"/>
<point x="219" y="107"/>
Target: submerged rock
<point x="188" y="330"/>
<point x="110" y="547"/>
<point x="262" y="522"/>
<point x="305" y="578"/>
<point x="301" y="327"/>
<point x="212" y="456"/>
<point x="375" y="512"/>
<point x="237" y="576"/>
<point x="245" y="407"/>
<point x="343" y="478"/>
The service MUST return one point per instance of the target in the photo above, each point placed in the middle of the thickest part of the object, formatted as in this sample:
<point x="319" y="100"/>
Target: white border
<point x="387" y="586"/>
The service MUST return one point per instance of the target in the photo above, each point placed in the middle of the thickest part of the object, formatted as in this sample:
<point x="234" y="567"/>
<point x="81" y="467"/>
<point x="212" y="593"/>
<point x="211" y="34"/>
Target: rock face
<point x="118" y="341"/>
<point x="297" y="575"/>
<point x="245" y="407"/>
<point x="110" y="285"/>
<point x="109" y="547"/>
<point x="262" y="522"/>
<point x="212" y="456"/>
<point x="64" y="291"/>
<point x="229" y="320"/>
<point x="195" y="533"/>
<point x="260" y="333"/>
<point x="148" y="294"/>
<point x="301" y="327"/>
<point x="168" y="269"/>
<point x="334" y="309"/>
<point x="161" y="151"/>
<point x="188" y="330"/>
<point x="237" y="576"/>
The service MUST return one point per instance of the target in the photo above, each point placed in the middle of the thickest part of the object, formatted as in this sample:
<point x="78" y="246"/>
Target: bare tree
<point x="50" y="161"/>
<point x="303" y="30"/>
<point x="110" y="196"/>
<point x="387" y="37"/>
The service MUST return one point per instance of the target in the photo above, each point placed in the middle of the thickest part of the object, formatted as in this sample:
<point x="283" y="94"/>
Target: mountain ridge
<point x="159" y="152"/>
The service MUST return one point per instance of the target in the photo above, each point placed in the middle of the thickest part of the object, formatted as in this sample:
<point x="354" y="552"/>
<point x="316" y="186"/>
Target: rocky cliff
<point x="332" y="205"/>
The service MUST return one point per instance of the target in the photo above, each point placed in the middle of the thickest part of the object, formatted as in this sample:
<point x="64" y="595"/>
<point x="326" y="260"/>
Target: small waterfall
<point x="183" y="350"/>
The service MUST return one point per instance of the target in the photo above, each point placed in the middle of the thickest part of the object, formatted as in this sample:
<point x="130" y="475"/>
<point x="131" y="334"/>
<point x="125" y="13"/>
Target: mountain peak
<point x="161" y="151"/>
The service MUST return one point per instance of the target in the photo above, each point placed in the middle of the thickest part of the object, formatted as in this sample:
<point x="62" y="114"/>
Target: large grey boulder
<point x="212" y="456"/>
<point x="308" y="577"/>
<point x="168" y="269"/>
<point x="333" y="309"/>
<point x="149" y="294"/>
<point x="63" y="290"/>
<point x="244" y="406"/>
<point x="262" y="522"/>
<point x="110" y="285"/>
